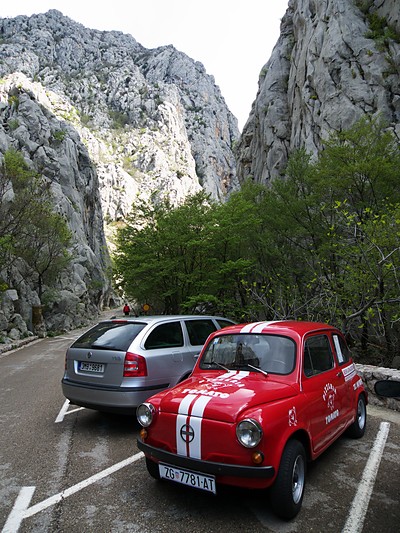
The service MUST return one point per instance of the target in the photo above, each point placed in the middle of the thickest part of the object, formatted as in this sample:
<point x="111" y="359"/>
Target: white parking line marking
<point x="358" y="510"/>
<point x="64" y="411"/>
<point x="21" y="504"/>
<point x="21" y="512"/>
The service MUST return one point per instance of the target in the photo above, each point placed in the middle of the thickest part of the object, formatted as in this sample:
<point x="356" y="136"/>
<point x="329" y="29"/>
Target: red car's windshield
<point x="270" y="353"/>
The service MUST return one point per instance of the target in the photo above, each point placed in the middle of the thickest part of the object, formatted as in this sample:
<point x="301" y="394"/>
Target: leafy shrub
<point x="59" y="135"/>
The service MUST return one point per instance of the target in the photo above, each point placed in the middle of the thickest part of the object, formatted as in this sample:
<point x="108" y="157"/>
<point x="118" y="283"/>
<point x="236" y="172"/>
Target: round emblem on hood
<point x="187" y="433"/>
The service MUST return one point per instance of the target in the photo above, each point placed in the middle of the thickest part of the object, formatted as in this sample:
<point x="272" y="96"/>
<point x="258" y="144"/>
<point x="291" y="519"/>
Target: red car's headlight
<point x="249" y="433"/>
<point x="145" y="413"/>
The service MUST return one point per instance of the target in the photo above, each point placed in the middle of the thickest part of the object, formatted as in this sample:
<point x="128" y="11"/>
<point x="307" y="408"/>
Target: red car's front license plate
<point x="186" y="477"/>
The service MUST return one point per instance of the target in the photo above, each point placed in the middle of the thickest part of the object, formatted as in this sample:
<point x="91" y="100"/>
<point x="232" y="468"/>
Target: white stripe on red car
<point x="256" y="327"/>
<point x="188" y="425"/>
<point x="190" y="414"/>
<point x="232" y="375"/>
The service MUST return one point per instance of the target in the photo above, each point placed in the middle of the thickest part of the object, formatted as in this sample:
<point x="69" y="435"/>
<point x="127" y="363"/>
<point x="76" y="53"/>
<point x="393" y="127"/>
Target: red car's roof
<point x="283" y="327"/>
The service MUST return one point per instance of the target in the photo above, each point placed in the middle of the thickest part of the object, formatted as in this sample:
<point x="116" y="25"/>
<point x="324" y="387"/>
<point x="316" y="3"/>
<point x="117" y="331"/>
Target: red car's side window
<point x="342" y="350"/>
<point x="318" y="355"/>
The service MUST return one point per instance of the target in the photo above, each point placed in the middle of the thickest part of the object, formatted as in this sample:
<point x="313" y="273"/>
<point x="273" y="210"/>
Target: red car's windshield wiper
<point x="238" y="366"/>
<point x="258" y="369"/>
<point x="219" y="365"/>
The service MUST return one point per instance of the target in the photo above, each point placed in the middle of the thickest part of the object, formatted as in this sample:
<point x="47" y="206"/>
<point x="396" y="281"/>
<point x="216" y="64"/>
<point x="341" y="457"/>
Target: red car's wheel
<point x="288" y="489"/>
<point x="357" y="429"/>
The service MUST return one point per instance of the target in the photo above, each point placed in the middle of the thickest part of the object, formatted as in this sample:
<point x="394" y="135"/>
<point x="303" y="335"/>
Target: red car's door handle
<point x="339" y="374"/>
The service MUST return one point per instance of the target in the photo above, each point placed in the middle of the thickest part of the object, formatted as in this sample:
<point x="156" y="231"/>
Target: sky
<point x="233" y="39"/>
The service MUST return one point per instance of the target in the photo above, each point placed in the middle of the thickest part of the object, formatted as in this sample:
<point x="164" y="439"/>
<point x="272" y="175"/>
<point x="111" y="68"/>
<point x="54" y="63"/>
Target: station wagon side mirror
<point x="387" y="388"/>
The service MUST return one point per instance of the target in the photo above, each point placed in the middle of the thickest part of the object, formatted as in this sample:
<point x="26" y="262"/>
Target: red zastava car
<point x="263" y="399"/>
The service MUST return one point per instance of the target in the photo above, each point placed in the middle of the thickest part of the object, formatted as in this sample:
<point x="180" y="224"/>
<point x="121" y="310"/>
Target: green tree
<point x="43" y="246"/>
<point x="29" y="229"/>
<point x="332" y="237"/>
<point x="234" y="231"/>
<point x="358" y="180"/>
<point x="161" y="253"/>
<point x="321" y="244"/>
<point x="20" y="189"/>
<point x="369" y="254"/>
<point x="192" y="257"/>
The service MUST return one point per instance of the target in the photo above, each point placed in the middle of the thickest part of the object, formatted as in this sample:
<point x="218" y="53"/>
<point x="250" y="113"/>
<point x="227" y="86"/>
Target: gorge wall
<point x="328" y="69"/>
<point x="108" y="123"/>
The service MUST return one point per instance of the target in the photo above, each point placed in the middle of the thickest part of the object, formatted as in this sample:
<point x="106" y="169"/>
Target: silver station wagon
<point x="116" y="365"/>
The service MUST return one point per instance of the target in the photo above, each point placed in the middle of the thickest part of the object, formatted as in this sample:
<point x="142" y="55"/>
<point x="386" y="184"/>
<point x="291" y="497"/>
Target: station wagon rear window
<point x="113" y="335"/>
<point x="168" y="335"/>
<point x="199" y="330"/>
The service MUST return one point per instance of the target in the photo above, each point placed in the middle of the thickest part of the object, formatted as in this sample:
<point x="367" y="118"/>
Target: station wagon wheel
<point x="357" y="428"/>
<point x="288" y="489"/>
<point x="152" y="469"/>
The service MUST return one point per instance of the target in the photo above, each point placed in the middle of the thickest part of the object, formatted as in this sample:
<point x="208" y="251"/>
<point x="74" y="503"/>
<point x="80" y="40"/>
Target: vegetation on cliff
<point x="321" y="244"/>
<point x="30" y="229"/>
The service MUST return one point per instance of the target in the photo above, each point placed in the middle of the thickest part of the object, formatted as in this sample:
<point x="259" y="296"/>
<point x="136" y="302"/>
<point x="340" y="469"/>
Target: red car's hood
<point x="224" y="396"/>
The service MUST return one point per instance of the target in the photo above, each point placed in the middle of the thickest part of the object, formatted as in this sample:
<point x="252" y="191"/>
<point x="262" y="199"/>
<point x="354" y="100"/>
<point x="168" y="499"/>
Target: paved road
<point x="64" y="469"/>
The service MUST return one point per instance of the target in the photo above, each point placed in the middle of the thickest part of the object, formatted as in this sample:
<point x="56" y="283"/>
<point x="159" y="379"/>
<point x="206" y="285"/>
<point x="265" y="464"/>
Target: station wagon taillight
<point x="134" y="366"/>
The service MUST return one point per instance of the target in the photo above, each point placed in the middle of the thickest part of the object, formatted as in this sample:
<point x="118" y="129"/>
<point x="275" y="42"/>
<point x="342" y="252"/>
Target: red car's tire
<point x="288" y="490"/>
<point x="357" y="428"/>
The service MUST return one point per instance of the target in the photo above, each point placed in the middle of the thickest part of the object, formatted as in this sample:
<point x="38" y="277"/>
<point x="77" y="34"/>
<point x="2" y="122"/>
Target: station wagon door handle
<point x="196" y="355"/>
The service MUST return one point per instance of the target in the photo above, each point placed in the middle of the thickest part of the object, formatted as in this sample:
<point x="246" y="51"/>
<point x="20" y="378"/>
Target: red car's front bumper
<point x="207" y="467"/>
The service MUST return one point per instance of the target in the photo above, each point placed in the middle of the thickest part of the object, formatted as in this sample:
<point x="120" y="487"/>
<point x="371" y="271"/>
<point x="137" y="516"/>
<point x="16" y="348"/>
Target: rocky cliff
<point x="335" y="61"/>
<point x="108" y="123"/>
<point x="152" y="120"/>
<point x="55" y="149"/>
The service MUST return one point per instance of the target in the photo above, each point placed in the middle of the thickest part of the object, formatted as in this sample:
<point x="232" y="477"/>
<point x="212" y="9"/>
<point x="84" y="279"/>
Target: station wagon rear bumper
<point x="108" y="399"/>
<point x="206" y="467"/>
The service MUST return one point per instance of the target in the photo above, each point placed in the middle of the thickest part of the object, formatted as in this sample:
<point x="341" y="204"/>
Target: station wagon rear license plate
<point x="186" y="477"/>
<point x="91" y="367"/>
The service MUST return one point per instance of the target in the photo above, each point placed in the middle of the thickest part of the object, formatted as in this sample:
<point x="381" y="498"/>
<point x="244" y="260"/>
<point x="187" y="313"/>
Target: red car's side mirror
<point x="387" y="388"/>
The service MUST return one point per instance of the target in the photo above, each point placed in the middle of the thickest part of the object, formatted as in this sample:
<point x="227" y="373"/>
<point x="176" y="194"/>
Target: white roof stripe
<point x="261" y="326"/>
<point x="257" y="327"/>
<point x="249" y="327"/>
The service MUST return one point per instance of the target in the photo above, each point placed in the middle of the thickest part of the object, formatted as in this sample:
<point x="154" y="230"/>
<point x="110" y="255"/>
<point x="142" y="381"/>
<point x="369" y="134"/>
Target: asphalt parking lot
<point x="67" y="469"/>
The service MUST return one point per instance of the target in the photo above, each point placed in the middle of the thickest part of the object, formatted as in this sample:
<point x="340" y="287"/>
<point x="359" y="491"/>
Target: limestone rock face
<point x="108" y="123"/>
<point x="153" y="120"/>
<point x="325" y="72"/>
<point x="55" y="149"/>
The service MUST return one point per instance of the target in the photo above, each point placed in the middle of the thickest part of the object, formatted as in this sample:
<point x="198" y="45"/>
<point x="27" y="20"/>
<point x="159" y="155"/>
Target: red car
<point x="263" y="399"/>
